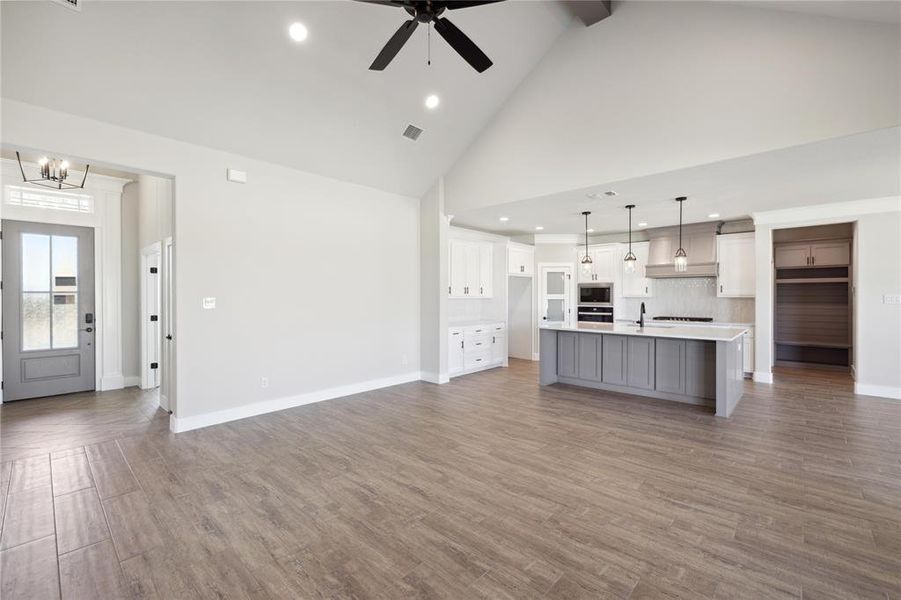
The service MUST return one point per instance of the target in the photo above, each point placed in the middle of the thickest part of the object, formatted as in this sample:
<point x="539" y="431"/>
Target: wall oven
<point x="595" y="314"/>
<point x="595" y="294"/>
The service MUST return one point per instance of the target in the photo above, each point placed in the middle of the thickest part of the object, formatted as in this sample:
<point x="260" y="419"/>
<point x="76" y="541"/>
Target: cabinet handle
<point x="448" y="289"/>
<point x="813" y="260"/>
<point x="522" y="268"/>
<point x="461" y="343"/>
<point x="721" y="289"/>
<point x="493" y="340"/>
<point x="645" y="290"/>
<point x="481" y="291"/>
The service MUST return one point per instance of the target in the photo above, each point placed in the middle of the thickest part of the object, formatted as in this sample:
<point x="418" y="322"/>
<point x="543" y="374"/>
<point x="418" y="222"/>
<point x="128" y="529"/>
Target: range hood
<point x="699" y="241"/>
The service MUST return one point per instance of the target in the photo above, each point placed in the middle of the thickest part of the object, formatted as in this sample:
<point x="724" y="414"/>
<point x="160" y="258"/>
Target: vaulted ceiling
<point x="227" y="75"/>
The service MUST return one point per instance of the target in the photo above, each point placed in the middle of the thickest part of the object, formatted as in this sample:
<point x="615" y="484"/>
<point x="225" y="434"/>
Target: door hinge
<point x="154" y="365"/>
<point x="153" y="270"/>
<point x="154" y="317"/>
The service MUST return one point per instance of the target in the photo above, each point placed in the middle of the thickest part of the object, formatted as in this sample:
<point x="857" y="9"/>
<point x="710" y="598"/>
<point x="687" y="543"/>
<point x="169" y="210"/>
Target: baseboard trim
<point x="435" y="378"/>
<point x="536" y="356"/>
<point x="182" y="424"/>
<point x="112" y="382"/>
<point x="132" y="381"/>
<point x="763" y="376"/>
<point x="881" y="391"/>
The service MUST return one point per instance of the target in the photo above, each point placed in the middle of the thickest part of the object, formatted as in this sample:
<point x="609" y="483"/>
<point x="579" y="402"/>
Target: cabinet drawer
<point x="474" y="360"/>
<point x="477" y="344"/>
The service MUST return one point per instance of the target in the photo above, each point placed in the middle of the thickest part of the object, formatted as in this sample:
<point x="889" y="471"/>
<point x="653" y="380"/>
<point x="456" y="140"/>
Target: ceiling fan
<point x="430" y="11"/>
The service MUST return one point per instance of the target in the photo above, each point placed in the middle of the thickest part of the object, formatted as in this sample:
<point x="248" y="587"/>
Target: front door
<point x="48" y="310"/>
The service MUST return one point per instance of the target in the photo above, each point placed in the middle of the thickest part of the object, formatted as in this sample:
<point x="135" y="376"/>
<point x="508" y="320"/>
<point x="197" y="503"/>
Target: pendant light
<point x="680" y="260"/>
<point x="586" y="260"/>
<point x="53" y="174"/>
<point x="629" y="260"/>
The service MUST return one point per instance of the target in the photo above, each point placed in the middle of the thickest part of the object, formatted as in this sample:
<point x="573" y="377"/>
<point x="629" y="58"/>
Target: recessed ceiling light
<point x="642" y="224"/>
<point x="538" y="228"/>
<point x="504" y="219"/>
<point x="713" y="216"/>
<point x="298" y="32"/>
<point x="610" y="193"/>
<point x="432" y="101"/>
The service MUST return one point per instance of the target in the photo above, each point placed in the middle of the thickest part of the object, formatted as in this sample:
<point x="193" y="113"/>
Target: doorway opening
<point x="72" y="296"/>
<point x="813" y="304"/>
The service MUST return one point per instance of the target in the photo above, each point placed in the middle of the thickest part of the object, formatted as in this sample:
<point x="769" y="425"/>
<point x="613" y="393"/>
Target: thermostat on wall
<point x="236" y="176"/>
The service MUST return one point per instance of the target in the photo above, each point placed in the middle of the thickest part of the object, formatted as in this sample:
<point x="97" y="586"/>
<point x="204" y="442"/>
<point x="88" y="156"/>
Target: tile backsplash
<point x="690" y="297"/>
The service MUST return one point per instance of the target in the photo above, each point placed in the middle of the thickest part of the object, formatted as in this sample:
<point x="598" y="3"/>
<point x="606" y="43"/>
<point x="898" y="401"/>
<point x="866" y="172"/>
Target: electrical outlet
<point x="891" y="299"/>
<point x="404" y="361"/>
<point x="264" y="382"/>
<point x="209" y="303"/>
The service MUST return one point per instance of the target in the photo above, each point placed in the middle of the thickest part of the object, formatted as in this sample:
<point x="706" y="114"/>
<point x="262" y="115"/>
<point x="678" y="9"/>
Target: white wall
<point x="660" y="86"/>
<point x="433" y="230"/>
<point x="131" y="302"/>
<point x="877" y="325"/>
<point x="294" y="260"/>
<point x="155" y="209"/>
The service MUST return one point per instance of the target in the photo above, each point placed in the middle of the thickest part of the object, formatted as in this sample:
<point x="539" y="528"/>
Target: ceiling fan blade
<point x="464" y="46"/>
<point x="455" y="4"/>
<point x="397" y="3"/>
<point x="394" y="45"/>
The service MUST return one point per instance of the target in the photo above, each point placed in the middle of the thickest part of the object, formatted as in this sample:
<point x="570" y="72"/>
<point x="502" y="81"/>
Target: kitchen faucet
<point x="641" y="316"/>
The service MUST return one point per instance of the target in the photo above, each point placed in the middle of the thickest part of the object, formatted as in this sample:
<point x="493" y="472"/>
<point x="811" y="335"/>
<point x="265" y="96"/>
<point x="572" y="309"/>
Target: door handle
<point x="88" y="329"/>
<point x="169" y="337"/>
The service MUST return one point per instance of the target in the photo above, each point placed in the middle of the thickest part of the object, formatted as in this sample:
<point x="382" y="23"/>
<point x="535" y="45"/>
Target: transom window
<point x="49" y="199"/>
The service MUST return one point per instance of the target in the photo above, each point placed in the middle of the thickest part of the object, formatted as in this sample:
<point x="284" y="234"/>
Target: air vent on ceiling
<point x="73" y="4"/>
<point x="412" y="132"/>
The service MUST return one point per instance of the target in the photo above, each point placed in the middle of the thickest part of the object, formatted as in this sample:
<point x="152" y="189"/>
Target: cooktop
<point x="691" y="319"/>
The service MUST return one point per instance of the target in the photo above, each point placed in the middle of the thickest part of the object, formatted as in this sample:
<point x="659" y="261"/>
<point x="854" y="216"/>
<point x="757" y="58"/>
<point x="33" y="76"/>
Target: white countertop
<point x="684" y="332"/>
<point x="462" y="324"/>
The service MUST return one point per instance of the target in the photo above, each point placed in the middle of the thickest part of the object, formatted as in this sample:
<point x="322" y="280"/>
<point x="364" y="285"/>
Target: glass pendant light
<point x="629" y="260"/>
<point x="680" y="261"/>
<point x="586" y="260"/>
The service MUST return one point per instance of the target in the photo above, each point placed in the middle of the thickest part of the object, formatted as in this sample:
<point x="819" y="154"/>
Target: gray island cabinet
<point x="693" y="364"/>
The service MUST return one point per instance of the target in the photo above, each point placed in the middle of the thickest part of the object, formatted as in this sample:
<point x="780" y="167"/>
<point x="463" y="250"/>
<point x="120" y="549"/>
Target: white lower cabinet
<point x="475" y="347"/>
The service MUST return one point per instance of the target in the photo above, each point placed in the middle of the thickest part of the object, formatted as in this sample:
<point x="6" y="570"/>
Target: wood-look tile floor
<point x="487" y="487"/>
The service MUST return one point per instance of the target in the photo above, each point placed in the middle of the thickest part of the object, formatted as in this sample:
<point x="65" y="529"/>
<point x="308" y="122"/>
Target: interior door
<point x="48" y="310"/>
<point x="555" y="295"/>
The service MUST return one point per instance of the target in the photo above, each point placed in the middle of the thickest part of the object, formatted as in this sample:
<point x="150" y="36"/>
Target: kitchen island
<point x="695" y="364"/>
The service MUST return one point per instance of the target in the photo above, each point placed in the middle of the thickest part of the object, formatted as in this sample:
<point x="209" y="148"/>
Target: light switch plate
<point x="209" y="303"/>
<point x="891" y="299"/>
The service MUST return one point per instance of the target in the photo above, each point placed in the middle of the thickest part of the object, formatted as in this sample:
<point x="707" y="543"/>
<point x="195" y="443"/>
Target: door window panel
<point x="555" y="310"/>
<point x="35" y="262"/>
<point x="65" y="321"/>
<point x="556" y="282"/>
<point x="49" y="292"/>
<point x="35" y="321"/>
<point x="65" y="263"/>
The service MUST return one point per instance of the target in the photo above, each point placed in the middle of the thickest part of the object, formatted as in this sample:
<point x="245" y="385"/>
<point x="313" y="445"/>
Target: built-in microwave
<point x="597" y="294"/>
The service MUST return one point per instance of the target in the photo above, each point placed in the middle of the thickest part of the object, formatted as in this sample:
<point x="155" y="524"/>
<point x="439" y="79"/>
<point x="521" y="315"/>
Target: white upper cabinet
<point x="635" y="284"/>
<point x="736" y="276"/>
<point x="603" y="264"/>
<point x="520" y="259"/>
<point x="470" y="269"/>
